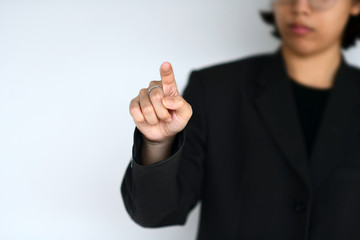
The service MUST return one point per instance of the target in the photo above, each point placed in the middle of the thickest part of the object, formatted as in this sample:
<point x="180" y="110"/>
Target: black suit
<point x="243" y="156"/>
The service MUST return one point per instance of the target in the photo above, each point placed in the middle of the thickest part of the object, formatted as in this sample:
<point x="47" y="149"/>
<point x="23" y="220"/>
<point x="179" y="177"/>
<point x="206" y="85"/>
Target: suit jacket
<point x="242" y="155"/>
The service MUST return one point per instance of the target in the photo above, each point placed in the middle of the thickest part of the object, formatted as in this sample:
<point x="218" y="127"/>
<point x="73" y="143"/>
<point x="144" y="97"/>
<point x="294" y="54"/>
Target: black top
<point x="310" y="103"/>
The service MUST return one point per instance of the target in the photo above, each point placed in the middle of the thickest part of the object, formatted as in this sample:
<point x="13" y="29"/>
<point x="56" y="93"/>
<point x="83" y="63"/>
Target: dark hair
<point x="350" y="34"/>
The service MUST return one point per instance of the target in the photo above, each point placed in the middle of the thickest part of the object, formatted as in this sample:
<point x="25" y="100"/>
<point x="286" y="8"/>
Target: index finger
<point x="168" y="79"/>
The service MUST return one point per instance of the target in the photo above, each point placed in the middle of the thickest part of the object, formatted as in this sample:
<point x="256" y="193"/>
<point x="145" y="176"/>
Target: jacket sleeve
<point x="163" y="193"/>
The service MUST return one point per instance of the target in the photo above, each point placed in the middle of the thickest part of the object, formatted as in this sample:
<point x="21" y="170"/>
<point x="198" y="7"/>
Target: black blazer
<point x="243" y="156"/>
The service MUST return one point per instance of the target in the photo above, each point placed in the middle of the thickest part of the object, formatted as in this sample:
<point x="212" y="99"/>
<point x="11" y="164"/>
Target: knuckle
<point x="133" y="105"/>
<point x="152" y="121"/>
<point x="153" y="83"/>
<point x="134" y="100"/>
<point x="136" y="114"/>
<point x="156" y="95"/>
<point x="138" y="118"/>
<point x="147" y="108"/>
<point x="133" y="110"/>
<point x="143" y="91"/>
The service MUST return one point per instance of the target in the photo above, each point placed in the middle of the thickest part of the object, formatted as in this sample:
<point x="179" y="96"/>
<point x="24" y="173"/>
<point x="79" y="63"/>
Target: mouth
<point x="300" y="28"/>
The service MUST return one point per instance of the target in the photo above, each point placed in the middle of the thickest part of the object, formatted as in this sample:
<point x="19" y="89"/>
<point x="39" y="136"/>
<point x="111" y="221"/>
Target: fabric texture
<point x="243" y="157"/>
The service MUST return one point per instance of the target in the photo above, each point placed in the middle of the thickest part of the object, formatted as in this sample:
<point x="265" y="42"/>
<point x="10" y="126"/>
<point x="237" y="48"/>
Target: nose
<point x="301" y="7"/>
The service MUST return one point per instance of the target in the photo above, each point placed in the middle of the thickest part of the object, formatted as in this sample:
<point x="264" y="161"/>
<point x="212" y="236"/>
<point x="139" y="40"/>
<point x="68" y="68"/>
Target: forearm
<point x="150" y="193"/>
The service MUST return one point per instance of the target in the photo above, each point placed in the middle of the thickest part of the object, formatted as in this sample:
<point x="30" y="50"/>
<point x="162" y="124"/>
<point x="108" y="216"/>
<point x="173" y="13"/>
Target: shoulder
<point x="240" y="69"/>
<point x="232" y="74"/>
<point x="351" y="72"/>
<point x="245" y="64"/>
<point x="353" y="68"/>
<point x="250" y="61"/>
<point x="227" y="81"/>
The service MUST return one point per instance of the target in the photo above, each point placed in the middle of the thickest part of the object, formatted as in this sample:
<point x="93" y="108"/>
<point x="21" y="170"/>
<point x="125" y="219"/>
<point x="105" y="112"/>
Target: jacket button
<point x="300" y="207"/>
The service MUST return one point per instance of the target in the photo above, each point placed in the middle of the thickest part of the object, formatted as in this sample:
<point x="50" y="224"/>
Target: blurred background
<point x="68" y="71"/>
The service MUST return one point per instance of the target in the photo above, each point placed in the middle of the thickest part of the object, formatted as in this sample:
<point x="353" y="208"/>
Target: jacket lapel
<point x="276" y="104"/>
<point x="340" y="123"/>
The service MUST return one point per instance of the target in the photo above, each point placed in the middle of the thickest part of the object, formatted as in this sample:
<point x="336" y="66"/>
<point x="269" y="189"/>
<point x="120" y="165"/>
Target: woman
<point x="253" y="140"/>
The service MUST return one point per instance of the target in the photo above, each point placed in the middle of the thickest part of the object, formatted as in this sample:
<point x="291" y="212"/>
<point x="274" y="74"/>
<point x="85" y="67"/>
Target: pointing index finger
<point x="168" y="79"/>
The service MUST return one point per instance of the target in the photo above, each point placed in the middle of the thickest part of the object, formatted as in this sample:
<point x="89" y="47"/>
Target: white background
<point x="68" y="70"/>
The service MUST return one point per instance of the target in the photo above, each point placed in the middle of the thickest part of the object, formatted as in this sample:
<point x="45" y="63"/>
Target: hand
<point x="162" y="113"/>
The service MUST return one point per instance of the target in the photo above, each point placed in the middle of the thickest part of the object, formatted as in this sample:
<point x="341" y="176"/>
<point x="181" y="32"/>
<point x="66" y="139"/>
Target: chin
<point x="301" y="49"/>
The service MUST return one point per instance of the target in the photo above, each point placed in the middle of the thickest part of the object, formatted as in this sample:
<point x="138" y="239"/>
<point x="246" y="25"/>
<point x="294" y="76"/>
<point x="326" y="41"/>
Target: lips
<point x="300" y="28"/>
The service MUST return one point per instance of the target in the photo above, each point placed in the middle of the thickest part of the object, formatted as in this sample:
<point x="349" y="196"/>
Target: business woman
<point x="269" y="144"/>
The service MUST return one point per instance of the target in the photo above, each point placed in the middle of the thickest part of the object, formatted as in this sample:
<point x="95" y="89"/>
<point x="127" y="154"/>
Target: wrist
<point x="159" y="144"/>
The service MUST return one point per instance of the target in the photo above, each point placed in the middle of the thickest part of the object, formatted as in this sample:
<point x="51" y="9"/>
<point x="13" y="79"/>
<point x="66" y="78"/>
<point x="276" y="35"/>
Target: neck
<point x="314" y="70"/>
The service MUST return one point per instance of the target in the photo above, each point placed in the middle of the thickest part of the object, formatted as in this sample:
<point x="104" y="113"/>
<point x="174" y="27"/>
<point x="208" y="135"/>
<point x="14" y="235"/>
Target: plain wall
<point x="68" y="71"/>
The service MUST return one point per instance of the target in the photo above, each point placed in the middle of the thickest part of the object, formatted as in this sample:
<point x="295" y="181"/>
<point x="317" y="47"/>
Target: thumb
<point x="178" y="104"/>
